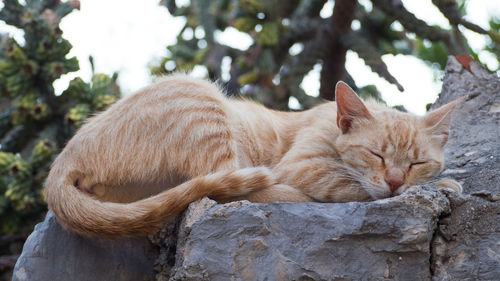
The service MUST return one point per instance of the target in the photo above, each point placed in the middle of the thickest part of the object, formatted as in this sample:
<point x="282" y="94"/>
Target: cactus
<point x="269" y="35"/>
<point x="245" y="24"/>
<point x="35" y="122"/>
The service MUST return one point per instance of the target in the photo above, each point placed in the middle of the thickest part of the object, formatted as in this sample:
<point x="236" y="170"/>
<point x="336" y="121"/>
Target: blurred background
<point x="60" y="61"/>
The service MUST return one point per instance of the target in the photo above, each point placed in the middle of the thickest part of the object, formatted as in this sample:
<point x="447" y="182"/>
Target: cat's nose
<point x="394" y="178"/>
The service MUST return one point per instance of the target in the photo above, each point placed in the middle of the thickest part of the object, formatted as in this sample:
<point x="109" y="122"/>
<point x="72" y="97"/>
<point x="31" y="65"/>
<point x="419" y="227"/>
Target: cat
<point x="148" y="156"/>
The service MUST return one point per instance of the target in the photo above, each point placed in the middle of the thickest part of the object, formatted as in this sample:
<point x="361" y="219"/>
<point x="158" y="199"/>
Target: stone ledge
<point x="386" y="239"/>
<point x="53" y="253"/>
<point x="421" y="235"/>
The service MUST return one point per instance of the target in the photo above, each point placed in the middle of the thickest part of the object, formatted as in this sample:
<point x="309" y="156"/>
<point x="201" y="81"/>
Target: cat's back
<point x="167" y="120"/>
<point x="169" y="98"/>
<point x="174" y="88"/>
<point x="164" y="112"/>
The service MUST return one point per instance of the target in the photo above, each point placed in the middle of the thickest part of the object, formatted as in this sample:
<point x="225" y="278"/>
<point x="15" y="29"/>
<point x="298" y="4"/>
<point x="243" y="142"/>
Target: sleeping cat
<point x="151" y="154"/>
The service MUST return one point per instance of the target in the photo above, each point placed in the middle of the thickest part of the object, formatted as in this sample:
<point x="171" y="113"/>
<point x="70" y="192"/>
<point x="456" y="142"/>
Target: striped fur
<point x="148" y="156"/>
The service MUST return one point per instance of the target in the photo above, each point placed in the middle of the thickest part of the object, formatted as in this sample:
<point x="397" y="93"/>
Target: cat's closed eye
<point x="416" y="164"/>
<point x="378" y="156"/>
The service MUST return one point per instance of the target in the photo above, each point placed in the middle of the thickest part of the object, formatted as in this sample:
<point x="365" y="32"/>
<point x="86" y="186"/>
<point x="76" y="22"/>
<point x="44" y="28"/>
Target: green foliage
<point x="494" y="46"/>
<point x="433" y="53"/>
<point x="269" y="34"/>
<point x="369" y="92"/>
<point x="35" y="122"/>
<point x="269" y="71"/>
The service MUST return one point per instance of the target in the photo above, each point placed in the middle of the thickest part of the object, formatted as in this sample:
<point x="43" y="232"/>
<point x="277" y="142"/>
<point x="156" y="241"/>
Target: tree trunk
<point x="334" y="59"/>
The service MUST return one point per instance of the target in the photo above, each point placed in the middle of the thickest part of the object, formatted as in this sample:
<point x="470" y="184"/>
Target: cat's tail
<point x="85" y="215"/>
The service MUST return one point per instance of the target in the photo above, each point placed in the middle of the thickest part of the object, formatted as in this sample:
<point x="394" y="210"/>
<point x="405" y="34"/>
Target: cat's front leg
<point x="274" y="193"/>
<point x="449" y="183"/>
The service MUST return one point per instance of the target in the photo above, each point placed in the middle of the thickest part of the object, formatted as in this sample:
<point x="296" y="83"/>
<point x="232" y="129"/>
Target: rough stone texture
<point x="387" y="239"/>
<point x="467" y="242"/>
<point x="424" y="234"/>
<point x="170" y="238"/>
<point x="52" y="253"/>
<point x="473" y="149"/>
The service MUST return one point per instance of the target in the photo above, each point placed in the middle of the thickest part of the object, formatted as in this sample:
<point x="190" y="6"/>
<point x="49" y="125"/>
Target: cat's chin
<point x="382" y="192"/>
<point x="377" y="192"/>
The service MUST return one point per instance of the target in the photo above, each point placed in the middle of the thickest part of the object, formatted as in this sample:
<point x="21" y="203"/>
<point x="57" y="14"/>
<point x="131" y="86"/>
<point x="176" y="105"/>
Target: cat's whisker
<point x="374" y="190"/>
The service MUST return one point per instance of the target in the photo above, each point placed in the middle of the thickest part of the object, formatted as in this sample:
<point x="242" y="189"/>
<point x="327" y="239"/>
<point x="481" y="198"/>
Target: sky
<point x="129" y="36"/>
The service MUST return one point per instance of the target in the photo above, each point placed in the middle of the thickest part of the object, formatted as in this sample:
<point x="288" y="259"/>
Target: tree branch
<point x="372" y="57"/>
<point x="411" y="22"/>
<point x="334" y="60"/>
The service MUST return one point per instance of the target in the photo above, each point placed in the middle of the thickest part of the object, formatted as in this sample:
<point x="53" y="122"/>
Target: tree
<point x="35" y="123"/>
<point x="268" y="71"/>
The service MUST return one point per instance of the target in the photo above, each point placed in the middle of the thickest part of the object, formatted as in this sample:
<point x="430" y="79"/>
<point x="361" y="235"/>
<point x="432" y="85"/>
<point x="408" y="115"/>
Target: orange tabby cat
<point x="182" y="139"/>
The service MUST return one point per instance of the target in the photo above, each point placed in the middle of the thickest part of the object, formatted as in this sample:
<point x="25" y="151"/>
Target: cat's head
<point x="388" y="150"/>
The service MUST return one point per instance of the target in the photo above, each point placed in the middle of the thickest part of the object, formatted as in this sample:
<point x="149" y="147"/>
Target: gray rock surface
<point x="424" y="234"/>
<point x="473" y="149"/>
<point x="386" y="239"/>
<point x="467" y="241"/>
<point x="52" y="253"/>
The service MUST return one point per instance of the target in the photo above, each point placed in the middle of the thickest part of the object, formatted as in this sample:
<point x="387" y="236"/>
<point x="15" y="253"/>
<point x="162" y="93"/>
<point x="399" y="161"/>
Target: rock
<point x="423" y="234"/>
<point x="52" y="253"/>
<point x="170" y="238"/>
<point x="312" y="241"/>
<point x="467" y="242"/>
<point x="473" y="149"/>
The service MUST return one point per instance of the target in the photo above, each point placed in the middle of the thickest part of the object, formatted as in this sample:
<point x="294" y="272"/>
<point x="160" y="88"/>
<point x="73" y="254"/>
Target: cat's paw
<point x="449" y="183"/>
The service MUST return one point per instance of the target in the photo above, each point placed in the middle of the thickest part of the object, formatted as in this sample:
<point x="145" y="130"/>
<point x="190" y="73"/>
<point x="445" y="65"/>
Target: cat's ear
<point x="349" y="107"/>
<point x="438" y="121"/>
